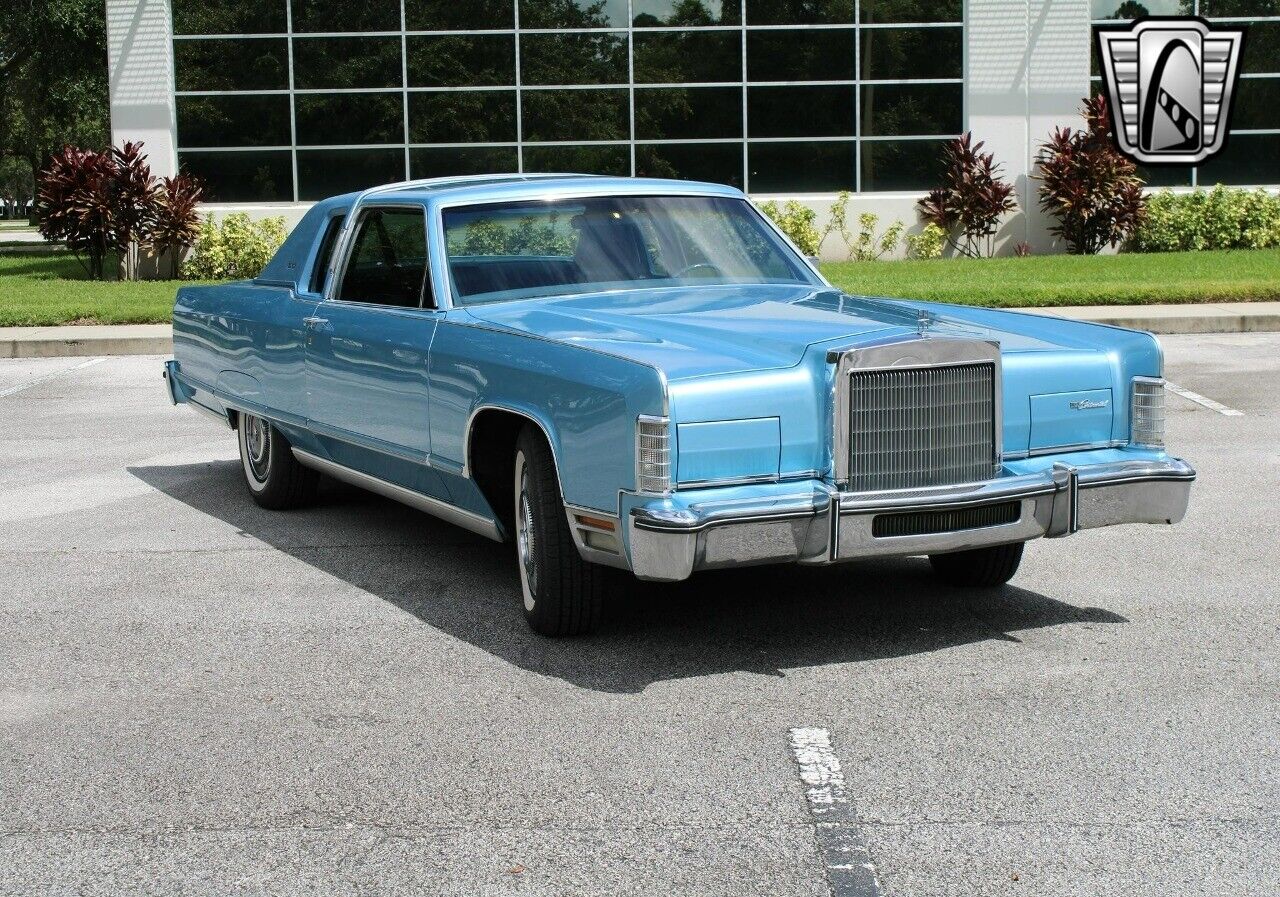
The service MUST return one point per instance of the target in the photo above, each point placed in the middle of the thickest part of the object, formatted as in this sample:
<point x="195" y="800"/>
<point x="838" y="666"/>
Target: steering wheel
<point x="705" y="266"/>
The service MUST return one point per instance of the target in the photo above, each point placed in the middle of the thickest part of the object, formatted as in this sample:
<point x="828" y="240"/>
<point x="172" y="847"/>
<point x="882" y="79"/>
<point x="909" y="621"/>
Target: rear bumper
<point x="812" y="523"/>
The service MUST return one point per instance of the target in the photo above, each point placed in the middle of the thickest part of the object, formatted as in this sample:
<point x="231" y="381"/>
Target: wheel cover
<point x="526" y="543"/>
<point x="257" y="443"/>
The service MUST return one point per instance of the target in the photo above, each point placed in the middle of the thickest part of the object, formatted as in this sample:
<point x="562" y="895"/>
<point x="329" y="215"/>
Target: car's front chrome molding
<point x="823" y="526"/>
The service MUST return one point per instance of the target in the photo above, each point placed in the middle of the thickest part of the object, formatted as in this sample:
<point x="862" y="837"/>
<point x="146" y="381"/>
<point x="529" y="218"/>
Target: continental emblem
<point x="1089" y="404"/>
<point x="1170" y="82"/>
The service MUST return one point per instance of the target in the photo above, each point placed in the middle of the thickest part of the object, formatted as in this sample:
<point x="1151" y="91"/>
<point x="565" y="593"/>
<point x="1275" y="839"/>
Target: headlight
<point x="653" y="455"/>
<point x="1147" y="415"/>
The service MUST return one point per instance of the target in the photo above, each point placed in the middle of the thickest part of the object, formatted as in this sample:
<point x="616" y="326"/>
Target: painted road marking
<point x="850" y="872"/>
<point x="47" y="377"/>
<point x="1201" y="400"/>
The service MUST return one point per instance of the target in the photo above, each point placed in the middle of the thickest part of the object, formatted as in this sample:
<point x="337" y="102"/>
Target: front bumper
<point x="813" y="523"/>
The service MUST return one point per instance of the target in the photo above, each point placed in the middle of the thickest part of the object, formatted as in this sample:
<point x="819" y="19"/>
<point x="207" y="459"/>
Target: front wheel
<point x="979" y="567"/>
<point x="275" y="478"/>
<point x="563" y="594"/>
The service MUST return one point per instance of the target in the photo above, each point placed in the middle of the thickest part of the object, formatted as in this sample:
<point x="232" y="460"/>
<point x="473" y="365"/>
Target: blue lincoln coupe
<point x="647" y="375"/>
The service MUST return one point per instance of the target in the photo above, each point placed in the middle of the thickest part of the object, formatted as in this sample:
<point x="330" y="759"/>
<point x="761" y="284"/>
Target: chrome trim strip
<point x="468" y="520"/>
<point x="730" y="481"/>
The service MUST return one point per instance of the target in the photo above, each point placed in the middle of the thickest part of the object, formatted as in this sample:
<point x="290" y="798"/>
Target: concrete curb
<point x="63" y="342"/>
<point x="157" y="339"/>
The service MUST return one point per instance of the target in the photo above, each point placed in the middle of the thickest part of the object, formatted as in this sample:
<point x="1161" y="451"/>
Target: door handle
<point x="314" y="321"/>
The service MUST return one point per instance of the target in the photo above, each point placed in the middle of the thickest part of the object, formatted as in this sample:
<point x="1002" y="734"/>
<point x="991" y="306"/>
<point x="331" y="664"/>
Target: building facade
<point x="276" y="103"/>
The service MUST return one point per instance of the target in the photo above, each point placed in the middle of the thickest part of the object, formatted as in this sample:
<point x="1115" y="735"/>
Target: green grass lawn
<point x="50" y="287"/>
<point x="1130" y="279"/>
<point x="47" y="287"/>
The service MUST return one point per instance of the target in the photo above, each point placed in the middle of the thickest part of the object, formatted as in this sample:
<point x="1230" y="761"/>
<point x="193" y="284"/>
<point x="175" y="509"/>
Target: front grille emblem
<point x="1170" y="83"/>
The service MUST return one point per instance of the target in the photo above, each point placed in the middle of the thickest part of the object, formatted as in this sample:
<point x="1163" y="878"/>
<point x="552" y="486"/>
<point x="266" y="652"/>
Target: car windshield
<point x="519" y="250"/>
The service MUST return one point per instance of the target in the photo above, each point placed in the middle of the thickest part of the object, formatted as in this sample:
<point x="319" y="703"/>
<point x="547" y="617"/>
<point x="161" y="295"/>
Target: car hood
<point x="704" y="330"/>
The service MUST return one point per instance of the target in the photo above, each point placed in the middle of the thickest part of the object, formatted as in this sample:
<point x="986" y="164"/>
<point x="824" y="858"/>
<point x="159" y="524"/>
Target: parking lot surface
<point x="198" y="696"/>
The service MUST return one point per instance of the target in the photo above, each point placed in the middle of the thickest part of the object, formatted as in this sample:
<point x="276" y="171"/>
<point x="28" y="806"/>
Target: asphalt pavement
<point x="201" y="697"/>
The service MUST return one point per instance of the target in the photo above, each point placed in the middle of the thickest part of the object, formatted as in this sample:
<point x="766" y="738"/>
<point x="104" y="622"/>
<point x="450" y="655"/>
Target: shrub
<point x="970" y="203"/>
<point x="797" y="222"/>
<point x="238" y="248"/>
<point x="133" y="200"/>
<point x="928" y="243"/>
<point x="1222" y="218"/>
<point x="865" y="246"/>
<point x="1093" y="191"/>
<point x="176" y="225"/>
<point x="74" y="204"/>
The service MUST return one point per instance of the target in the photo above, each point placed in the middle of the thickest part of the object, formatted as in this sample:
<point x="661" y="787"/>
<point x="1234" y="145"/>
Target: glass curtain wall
<point x="1252" y="154"/>
<point x="301" y="99"/>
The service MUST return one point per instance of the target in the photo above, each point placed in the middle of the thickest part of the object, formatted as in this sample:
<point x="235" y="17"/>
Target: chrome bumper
<point x="824" y="526"/>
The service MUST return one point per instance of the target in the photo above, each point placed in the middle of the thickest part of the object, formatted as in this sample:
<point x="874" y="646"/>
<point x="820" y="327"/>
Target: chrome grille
<point x="922" y="426"/>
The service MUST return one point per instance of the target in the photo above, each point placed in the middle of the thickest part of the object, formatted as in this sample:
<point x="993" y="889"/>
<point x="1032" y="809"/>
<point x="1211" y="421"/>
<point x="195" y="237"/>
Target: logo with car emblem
<point x="1088" y="404"/>
<point x="1170" y="83"/>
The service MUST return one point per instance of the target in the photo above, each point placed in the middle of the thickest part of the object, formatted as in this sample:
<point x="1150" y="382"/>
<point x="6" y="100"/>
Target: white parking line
<point x="850" y="872"/>
<point x="47" y="377"/>
<point x="1201" y="400"/>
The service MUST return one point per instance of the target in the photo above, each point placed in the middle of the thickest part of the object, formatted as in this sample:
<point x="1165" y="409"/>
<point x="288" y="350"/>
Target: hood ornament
<point x="924" y="321"/>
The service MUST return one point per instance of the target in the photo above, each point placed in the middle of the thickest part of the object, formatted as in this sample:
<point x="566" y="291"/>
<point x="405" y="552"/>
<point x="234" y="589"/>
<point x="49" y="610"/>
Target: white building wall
<point x="140" y="73"/>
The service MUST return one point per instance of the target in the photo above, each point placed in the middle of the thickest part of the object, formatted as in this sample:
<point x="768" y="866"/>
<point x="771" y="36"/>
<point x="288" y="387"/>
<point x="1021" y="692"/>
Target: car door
<point x="368" y="399"/>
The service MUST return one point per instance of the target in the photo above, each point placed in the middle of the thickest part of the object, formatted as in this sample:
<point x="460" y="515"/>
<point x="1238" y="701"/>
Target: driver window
<point x="388" y="263"/>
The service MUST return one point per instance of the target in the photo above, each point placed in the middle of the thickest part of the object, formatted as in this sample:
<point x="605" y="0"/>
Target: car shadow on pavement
<point x="760" y="619"/>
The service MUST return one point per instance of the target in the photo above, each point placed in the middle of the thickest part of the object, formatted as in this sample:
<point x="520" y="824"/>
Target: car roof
<point x="481" y="188"/>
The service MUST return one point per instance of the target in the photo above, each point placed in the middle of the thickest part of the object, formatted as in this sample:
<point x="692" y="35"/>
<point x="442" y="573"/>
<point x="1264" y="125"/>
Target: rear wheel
<point x="275" y="478"/>
<point x="563" y="594"/>
<point x="980" y="567"/>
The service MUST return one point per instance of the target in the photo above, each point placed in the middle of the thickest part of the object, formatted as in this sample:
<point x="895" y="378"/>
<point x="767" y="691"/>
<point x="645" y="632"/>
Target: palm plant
<point x="972" y="200"/>
<point x="75" y="205"/>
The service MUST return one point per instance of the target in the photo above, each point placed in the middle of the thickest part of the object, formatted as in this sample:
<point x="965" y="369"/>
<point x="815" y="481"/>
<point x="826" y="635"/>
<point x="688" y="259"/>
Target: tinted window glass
<point x="343" y="15"/>
<point x="901" y="109"/>
<point x="1247" y="159"/>
<point x="874" y="11"/>
<point x="901" y="164"/>
<point x="436" y="162"/>
<point x="522" y="249"/>
<point x="575" y="115"/>
<point x="258" y="64"/>
<point x="388" y="263"/>
<point x="462" y="61"/>
<point x="615" y="160"/>
<point x="325" y="173"/>
<point x="1128" y="9"/>
<point x="249" y="176"/>
<point x="329" y="119"/>
<point x="573" y="58"/>
<point x="228" y="17"/>
<point x="825" y="111"/>
<point x="801" y="167"/>
<point x="450" y="15"/>
<point x="1232" y="7"/>
<point x="233" y="121"/>
<point x="573" y="14"/>
<point x="683" y="113"/>
<point x="671" y="57"/>
<point x="1261" y="54"/>
<point x="903" y="53"/>
<point x="468" y="116"/>
<point x="688" y="13"/>
<point x="820" y="55"/>
<point x="799" y="12"/>
<point x="720" y="163"/>
<point x="1257" y="104"/>
<point x="346" y="62"/>
<point x="321" y="269"/>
